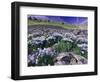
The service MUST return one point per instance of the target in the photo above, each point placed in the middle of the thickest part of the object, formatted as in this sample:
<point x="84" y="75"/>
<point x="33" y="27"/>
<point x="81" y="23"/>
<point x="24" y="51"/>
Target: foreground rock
<point x="69" y="58"/>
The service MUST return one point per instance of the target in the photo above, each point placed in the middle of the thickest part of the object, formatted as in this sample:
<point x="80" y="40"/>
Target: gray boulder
<point x="69" y="58"/>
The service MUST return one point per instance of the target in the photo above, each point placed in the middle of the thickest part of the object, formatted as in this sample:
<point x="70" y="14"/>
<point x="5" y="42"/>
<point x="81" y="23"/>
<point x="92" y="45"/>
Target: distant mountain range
<point x="65" y="19"/>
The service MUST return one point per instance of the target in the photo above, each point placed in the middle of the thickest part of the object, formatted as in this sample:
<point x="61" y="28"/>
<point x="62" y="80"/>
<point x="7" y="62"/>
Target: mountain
<point x="65" y="19"/>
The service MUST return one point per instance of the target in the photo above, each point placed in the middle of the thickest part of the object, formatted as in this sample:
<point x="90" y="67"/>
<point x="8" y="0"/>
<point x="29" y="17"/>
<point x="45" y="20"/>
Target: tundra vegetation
<point x="56" y="43"/>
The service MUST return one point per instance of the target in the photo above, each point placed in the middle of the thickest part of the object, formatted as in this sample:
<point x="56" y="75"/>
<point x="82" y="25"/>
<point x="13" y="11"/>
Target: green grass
<point x="69" y="47"/>
<point x="66" y="26"/>
<point x="63" y="46"/>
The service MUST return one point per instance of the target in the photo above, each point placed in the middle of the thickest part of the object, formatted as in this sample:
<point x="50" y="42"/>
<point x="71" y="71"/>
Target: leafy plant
<point x="85" y="54"/>
<point x="45" y="60"/>
<point x="63" y="46"/>
<point x="31" y="48"/>
<point x="77" y="50"/>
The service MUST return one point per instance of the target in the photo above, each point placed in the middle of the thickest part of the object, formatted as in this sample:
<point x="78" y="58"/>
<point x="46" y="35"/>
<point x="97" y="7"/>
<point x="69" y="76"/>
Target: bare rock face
<point x="69" y="58"/>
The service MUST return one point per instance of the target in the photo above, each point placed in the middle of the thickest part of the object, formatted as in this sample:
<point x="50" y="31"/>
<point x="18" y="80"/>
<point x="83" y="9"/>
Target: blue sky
<point x="65" y="19"/>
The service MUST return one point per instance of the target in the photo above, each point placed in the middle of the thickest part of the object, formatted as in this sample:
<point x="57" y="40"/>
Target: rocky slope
<point x="42" y="40"/>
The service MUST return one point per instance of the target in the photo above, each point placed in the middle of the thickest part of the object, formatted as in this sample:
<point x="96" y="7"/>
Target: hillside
<point x="53" y="23"/>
